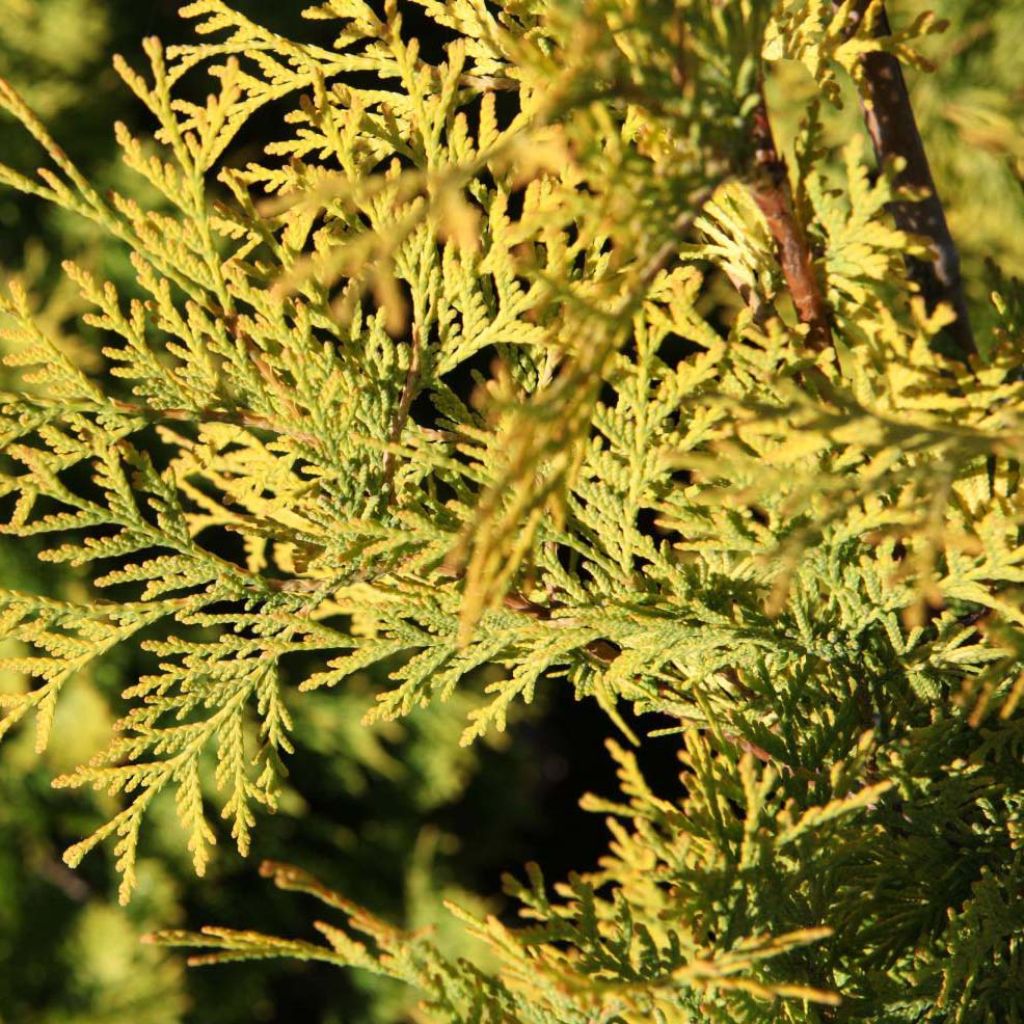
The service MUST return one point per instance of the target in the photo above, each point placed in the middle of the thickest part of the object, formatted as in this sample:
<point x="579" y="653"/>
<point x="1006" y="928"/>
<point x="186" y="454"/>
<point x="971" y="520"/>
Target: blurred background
<point x="398" y="817"/>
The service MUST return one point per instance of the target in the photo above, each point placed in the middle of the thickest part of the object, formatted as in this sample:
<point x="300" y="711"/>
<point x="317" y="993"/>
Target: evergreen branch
<point x="809" y="558"/>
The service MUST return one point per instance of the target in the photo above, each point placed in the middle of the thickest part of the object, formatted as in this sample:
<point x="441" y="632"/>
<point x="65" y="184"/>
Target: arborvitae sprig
<point x="782" y="518"/>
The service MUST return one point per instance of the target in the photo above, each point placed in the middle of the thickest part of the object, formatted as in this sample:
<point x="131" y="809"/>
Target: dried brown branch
<point x="769" y="185"/>
<point x="890" y="121"/>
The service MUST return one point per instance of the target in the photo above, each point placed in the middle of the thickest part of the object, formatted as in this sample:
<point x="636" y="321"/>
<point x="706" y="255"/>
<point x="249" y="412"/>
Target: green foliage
<point x="49" y="46"/>
<point x="291" y="469"/>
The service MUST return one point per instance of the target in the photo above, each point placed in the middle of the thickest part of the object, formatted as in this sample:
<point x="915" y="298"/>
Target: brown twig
<point x="771" y="190"/>
<point x="890" y="121"/>
<point x="601" y="650"/>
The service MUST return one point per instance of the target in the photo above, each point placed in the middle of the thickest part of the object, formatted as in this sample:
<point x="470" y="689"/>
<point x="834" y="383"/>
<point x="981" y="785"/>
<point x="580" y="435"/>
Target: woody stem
<point x="771" y="190"/>
<point x="890" y="121"/>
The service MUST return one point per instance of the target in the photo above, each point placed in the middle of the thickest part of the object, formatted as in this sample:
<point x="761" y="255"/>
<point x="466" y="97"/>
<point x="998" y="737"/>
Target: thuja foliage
<point x="534" y="364"/>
